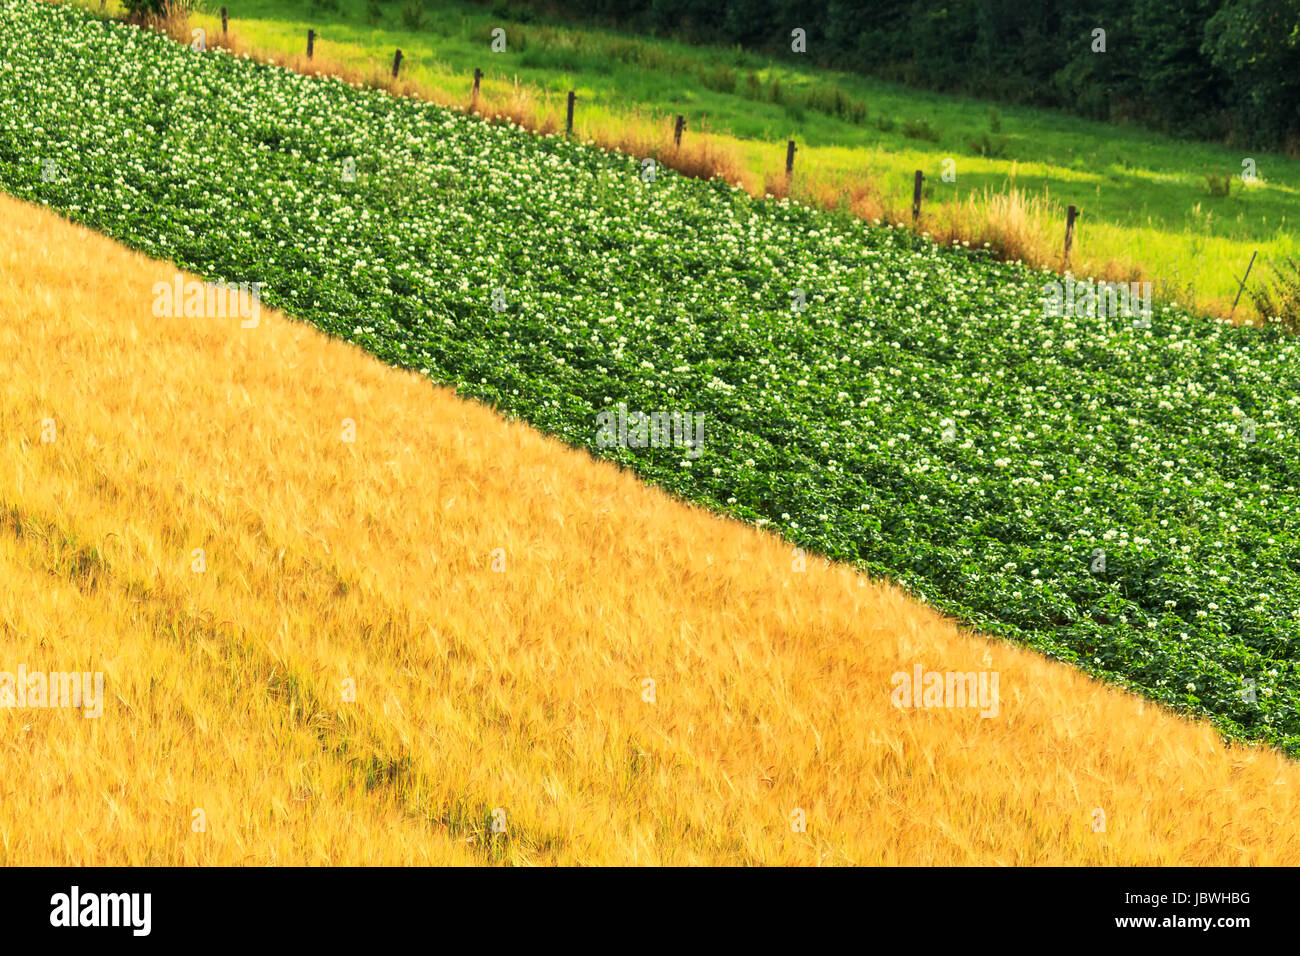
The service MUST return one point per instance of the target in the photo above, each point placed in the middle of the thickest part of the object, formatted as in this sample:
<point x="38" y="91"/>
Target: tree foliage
<point x="1203" y="68"/>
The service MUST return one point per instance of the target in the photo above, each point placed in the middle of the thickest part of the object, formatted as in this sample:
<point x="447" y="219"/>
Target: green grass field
<point x="1144" y="196"/>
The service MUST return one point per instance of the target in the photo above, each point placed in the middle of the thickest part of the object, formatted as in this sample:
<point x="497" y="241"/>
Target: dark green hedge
<point x="1215" y="69"/>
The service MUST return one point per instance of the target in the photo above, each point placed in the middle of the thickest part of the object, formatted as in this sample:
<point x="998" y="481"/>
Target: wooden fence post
<point x="678" y="126"/>
<point x="789" y="159"/>
<point x="1243" y="282"/>
<point x="223" y="22"/>
<point x="311" y="42"/>
<point x="397" y="62"/>
<point x="916" y="197"/>
<point x="568" y="122"/>
<point x="1071" y="214"/>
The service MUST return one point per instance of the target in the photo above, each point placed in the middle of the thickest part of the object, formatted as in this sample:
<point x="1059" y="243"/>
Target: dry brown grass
<point x="520" y="106"/>
<point x="174" y="21"/>
<point x="700" y="154"/>
<point x="1017" y="226"/>
<point x="1011" y="223"/>
<point x="777" y="185"/>
<point x="521" y="689"/>
<point x="858" y="196"/>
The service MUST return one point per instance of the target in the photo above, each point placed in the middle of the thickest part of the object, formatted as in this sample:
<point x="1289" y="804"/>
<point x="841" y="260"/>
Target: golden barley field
<point x="500" y="715"/>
